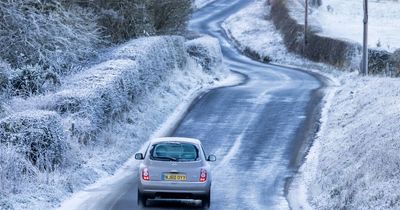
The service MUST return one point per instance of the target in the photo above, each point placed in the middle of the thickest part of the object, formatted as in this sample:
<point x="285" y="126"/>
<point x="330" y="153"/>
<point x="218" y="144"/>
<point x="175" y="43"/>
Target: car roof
<point x="175" y="139"/>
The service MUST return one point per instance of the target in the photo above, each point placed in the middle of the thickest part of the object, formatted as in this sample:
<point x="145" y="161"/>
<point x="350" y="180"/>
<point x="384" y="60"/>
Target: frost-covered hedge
<point x="15" y="169"/>
<point x="38" y="136"/>
<point x="92" y="98"/>
<point x="4" y="75"/>
<point x="207" y="52"/>
<point x="395" y="62"/>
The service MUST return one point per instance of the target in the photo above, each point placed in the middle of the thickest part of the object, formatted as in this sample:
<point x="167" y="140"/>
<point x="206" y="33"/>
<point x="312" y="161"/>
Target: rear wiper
<point x="165" y="158"/>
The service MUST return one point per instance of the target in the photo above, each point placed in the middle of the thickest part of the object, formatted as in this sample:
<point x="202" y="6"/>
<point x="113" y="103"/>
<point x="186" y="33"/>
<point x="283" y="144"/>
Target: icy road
<point x="258" y="129"/>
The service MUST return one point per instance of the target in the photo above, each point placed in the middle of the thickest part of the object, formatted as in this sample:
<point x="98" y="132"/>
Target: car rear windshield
<point x="174" y="152"/>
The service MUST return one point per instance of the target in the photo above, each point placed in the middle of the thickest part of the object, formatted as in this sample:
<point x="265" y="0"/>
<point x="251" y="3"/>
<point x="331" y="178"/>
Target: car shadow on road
<point x="174" y="204"/>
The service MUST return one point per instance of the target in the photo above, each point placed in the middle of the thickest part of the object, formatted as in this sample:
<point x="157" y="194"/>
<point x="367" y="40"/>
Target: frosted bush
<point x="206" y="51"/>
<point x="97" y="96"/>
<point x="37" y="135"/>
<point x="27" y="80"/>
<point x="47" y="36"/>
<point x="91" y="99"/>
<point x="125" y="19"/>
<point x="5" y="70"/>
<point x="395" y="62"/>
<point x="14" y="170"/>
<point x="170" y="17"/>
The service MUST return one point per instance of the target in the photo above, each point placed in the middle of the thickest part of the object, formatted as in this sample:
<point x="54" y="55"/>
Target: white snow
<point x="343" y="19"/>
<point x="354" y="162"/>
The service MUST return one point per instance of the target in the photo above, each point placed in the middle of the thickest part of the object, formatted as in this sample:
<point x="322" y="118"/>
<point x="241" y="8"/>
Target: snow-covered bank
<point x="259" y="37"/>
<point x="104" y="114"/>
<point x="354" y="161"/>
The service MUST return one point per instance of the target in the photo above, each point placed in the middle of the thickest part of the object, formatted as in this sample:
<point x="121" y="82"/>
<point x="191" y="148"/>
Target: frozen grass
<point x="354" y="161"/>
<point x="120" y="102"/>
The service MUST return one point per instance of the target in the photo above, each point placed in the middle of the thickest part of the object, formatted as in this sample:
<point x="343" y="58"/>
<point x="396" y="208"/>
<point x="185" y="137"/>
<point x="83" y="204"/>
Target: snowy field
<point x="100" y="117"/>
<point x="354" y="161"/>
<point x="343" y="19"/>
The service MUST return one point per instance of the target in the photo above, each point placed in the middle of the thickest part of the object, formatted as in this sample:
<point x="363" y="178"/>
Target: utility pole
<point x="365" y="40"/>
<point x="305" y="25"/>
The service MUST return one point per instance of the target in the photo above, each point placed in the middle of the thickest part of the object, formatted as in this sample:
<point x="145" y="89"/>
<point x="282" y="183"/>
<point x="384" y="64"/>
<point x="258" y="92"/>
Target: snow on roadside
<point x="353" y="162"/>
<point x="259" y="36"/>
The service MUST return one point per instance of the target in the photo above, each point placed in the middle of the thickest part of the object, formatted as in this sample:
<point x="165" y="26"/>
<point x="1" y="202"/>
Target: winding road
<point x="259" y="129"/>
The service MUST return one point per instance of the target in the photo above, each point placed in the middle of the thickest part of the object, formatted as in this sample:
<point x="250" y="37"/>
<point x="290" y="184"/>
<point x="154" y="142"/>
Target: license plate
<point x="175" y="177"/>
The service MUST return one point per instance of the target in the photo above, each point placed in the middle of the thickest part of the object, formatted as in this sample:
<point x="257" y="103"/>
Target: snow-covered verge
<point x="353" y="162"/>
<point x="56" y="144"/>
<point x="258" y="39"/>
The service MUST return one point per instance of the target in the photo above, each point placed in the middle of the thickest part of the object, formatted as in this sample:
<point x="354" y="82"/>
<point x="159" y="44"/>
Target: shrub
<point x="170" y="17"/>
<point x="38" y="136"/>
<point x="395" y="62"/>
<point x="206" y="51"/>
<point x="125" y="19"/>
<point x="94" y="97"/>
<point x="14" y="169"/>
<point x="46" y="35"/>
<point x="5" y="70"/>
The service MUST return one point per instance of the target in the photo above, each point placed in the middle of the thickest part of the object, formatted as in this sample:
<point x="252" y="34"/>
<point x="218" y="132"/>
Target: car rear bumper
<point x="174" y="189"/>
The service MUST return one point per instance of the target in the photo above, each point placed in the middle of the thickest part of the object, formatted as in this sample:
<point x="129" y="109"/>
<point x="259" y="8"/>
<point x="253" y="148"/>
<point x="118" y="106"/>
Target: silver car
<point x="174" y="168"/>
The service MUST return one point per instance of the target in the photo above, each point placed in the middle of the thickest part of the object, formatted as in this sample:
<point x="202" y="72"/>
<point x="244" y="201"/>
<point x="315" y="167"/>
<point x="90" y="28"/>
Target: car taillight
<point x="145" y="174"/>
<point x="203" y="175"/>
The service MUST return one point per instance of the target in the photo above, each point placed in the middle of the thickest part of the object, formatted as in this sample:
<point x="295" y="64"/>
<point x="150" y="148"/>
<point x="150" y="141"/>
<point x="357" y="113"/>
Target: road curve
<point x="257" y="129"/>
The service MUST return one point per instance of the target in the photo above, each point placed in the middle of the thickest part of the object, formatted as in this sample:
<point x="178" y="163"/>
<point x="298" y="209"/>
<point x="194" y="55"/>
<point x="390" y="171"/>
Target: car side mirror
<point x="139" y="156"/>
<point x="212" y="158"/>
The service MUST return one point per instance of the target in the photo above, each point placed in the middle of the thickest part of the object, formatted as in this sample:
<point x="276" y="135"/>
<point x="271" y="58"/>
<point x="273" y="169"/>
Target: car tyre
<point x="205" y="202"/>
<point x="141" y="200"/>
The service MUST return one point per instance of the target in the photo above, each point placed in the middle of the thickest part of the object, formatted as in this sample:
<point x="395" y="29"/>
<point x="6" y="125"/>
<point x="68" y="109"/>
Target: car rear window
<point x="174" y="152"/>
